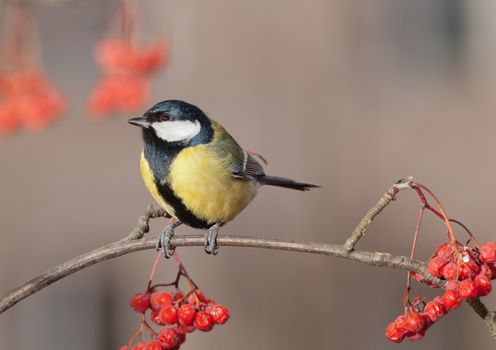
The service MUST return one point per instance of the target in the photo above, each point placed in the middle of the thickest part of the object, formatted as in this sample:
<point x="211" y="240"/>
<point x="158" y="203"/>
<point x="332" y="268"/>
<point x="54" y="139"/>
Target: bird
<point x="197" y="172"/>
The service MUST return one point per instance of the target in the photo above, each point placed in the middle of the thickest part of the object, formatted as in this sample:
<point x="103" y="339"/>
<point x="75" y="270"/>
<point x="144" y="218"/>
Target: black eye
<point x="164" y="117"/>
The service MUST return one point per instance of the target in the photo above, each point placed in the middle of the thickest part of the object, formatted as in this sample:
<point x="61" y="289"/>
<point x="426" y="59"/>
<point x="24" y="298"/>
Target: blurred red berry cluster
<point x="178" y="313"/>
<point x="463" y="271"/>
<point x="468" y="272"/>
<point x="126" y="67"/>
<point x="27" y="98"/>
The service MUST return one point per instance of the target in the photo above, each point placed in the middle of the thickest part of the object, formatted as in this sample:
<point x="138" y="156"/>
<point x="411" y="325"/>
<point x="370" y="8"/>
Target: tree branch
<point x="134" y="242"/>
<point x="123" y="247"/>
<point x="362" y="227"/>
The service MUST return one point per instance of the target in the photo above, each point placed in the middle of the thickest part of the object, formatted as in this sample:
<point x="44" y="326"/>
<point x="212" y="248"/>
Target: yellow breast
<point x="149" y="180"/>
<point x="203" y="182"/>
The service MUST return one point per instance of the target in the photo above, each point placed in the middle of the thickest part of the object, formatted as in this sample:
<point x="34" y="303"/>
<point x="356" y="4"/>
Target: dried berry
<point x="451" y="300"/>
<point x="467" y="289"/>
<point x="393" y="334"/>
<point x="160" y="299"/>
<point x="203" y="321"/>
<point x="153" y="345"/>
<point x="483" y="284"/>
<point x="434" y="310"/>
<point x="488" y="252"/>
<point x="140" y="302"/>
<point x="414" y="322"/>
<point x="169" y="338"/>
<point x="186" y="314"/>
<point x="219" y="313"/>
<point x="168" y="314"/>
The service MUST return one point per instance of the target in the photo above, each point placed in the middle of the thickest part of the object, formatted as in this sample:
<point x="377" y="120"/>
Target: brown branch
<point x="488" y="316"/>
<point x="123" y="247"/>
<point x="383" y="202"/>
<point x="134" y="242"/>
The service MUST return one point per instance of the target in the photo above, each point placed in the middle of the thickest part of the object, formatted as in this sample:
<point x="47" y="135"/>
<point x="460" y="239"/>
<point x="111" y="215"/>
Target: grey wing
<point x="246" y="167"/>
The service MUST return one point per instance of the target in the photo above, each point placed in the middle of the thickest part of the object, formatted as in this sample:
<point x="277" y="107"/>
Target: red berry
<point x="201" y="296"/>
<point x="483" y="284"/>
<point x="487" y="271"/>
<point x="451" y="300"/>
<point x="468" y="259"/>
<point x="443" y="250"/>
<point x="219" y="313"/>
<point x="488" y="252"/>
<point x="155" y="317"/>
<point x="393" y="334"/>
<point x="434" y="310"/>
<point x="434" y="266"/>
<point x="452" y="285"/>
<point x="140" y="302"/>
<point x="160" y="299"/>
<point x="186" y="314"/>
<point x="438" y="299"/>
<point x="197" y="294"/>
<point x="168" y="314"/>
<point x="400" y="324"/>
<point x="178" y="295"/>
<point x="124" y="347"/>
<point x="203" y="321"/>
<point x="467" y="289"/>
<point x="417" y="336"/>
<point x="181" y="333"/>
<point x="414" y="322"/>
<point x="449" y="271"/>
<point x="169" y="338"/>
<point x="427" y="320"/>
<point x="466" y="271"/>
<point x="153" y="345"/>
<point x="139" y="346"/>
<point x="182" y="329"/>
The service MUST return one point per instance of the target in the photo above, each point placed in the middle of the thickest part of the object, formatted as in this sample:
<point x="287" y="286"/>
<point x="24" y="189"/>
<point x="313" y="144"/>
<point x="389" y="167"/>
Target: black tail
<point x="288" y="183"/>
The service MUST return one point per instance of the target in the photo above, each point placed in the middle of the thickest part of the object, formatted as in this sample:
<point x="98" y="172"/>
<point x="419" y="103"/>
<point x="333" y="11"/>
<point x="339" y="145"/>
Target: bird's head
<point x="175" y="122"/>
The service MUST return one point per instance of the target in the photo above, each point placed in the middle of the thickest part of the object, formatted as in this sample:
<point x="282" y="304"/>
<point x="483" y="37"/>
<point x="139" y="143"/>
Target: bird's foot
<point x="164" y="239"/>
<point x="211" y="246"/>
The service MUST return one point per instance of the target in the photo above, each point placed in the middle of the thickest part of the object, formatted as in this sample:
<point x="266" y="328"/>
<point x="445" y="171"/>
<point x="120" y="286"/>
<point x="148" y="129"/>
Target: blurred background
<point x="351" y="95"/>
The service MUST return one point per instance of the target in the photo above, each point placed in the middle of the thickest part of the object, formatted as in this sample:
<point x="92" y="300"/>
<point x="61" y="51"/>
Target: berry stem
<point x="412" y="253"/>
<point x="419" y="187"/>
<point x="152" y="272"/>
<point x="459" y="223"/>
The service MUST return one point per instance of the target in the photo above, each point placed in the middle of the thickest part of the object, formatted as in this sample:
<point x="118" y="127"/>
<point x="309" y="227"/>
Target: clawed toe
<point x="164" y="240"/>
<point x="211" y="246"/>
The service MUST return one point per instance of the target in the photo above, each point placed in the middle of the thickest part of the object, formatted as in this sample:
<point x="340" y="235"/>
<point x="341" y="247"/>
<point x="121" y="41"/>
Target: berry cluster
<point x="127" y="68"/>
<point x="468" y="272"/>
<point x="176" y="312"/>
<point x="465" y="272"/>
<point x="29" y="100"/>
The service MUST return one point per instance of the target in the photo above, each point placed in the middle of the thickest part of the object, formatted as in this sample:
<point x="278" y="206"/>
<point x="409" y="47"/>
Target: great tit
<point x="197" y="172"/>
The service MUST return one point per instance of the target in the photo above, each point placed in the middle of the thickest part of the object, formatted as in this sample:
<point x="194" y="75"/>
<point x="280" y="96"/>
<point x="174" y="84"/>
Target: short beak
<point x="141" y="122"/>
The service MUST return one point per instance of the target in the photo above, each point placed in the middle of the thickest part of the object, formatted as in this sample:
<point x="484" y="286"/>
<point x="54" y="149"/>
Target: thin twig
<point x="143" y="223"/>
<point x="367" y="219"/>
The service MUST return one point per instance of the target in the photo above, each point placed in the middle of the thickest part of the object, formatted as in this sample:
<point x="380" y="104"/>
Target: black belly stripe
<point x="180" y="210"/>
<point x="160" y="157"/>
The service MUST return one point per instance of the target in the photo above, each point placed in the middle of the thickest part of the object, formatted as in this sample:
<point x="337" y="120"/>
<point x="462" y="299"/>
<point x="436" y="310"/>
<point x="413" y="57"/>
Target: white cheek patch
<point x="179" y="130"/>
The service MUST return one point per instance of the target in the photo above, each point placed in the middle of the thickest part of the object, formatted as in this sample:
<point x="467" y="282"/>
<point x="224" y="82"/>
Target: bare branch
<point x="134" y="242"/>
<point x="123" y="247"/>
<point x="488" y="316"/>
<point x="383" y="202"/>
